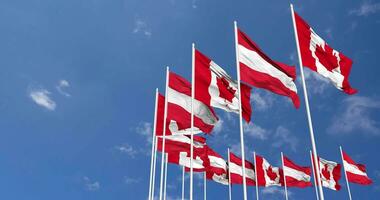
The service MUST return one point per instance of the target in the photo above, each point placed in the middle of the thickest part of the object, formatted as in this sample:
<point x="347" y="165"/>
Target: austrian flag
<point x="320" y="57"/>
<point x="295" y="175"/>
<point x="356" y="173"/>
<point x="258" y="70"/>
<point x="236" y="171"/>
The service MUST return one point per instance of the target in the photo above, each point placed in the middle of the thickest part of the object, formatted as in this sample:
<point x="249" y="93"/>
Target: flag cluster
<point x="213" y="87"/>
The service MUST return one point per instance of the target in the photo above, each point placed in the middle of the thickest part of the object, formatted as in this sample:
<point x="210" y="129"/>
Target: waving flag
<point x="179" y="106"/>
<point x="295" y="175"/>
<point x="236" y="171"/>
<point x="267" y="175"/>
<point x="320" y="57"/>
<point x="172" y="126"/>
<point x="214" y="87"/>
<point x="178" y="149"/>
<point x="217" y="167"/>
<point x="330" y="174"/>
<point x="356" y="173"/>
<point x="259" y="70"/>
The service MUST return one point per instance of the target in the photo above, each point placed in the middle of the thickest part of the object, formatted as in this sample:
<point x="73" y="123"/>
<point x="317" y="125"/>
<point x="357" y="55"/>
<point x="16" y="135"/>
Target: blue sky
<point x="78" y="78"/>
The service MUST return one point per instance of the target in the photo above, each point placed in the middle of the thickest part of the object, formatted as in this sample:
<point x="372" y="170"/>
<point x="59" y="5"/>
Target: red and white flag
<point x="179" y="110"/>
<point x="172" y="127"/>
<point x="267" y="175"/>
<point x="236" y="171"/>
<point x="214" y="87"/>
<point x="356" y="173"/>
<point x="178" y="149"/>
<point x="321" y="58"/>
<point x="330" y="174"/>
<point x="217" y="167"/>
<point x="295" y="175"/>
<point x="258" y="70"/>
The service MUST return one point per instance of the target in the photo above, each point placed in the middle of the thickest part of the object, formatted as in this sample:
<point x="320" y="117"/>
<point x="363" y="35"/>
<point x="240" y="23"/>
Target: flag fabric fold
<point x="214" y="87"/>
<point x="178" y="149"/>
<point x="295" y="175"/>
<point x="236" y="171"/>
<point x="258" y="70"/>
<point x="318" y="56"/>
<point x="356" y="173"/>
<point x="217" y="167"/>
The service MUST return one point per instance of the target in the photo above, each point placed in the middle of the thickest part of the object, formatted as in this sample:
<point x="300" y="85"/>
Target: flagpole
<point x="240" y="113"/>
<point x="229" y="175"/>
<point x="314" y="148"/>
<point x="166" y="174"/>
<point x="192" y="118"/>
<point x="154" y="166"/>
<point x="256" y="180"/>
<point x="153" y="145"/>
<point x="283" y="166"/>
<point x="183" y="182"/>
<point x="315" y="181"/>
<point x="204" y="186"/>
<point x="345" y="173"/>
<point x="164" y="133"/>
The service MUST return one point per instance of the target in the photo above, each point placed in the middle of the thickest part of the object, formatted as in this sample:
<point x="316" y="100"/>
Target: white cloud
<point x="283" y="137"/>
<point x="129" y="180"/>
<point x="91" y="185"/>
<point x="142" y="27"/>
<point x="315" y="83"/>
<point x="127" y="149"/>
<point x="145" y="129"/>
<point x="255" y="131"/>
<point x="62" y="84"/>
<point x="41" y="97"/>
<point x="356" y="116"/>
<point x="366" y="8"/>
<point x="218" y="126"/>
<point x="194" y="4"/>
<point x="275" y="191"/>
<point x="262" y="100"/>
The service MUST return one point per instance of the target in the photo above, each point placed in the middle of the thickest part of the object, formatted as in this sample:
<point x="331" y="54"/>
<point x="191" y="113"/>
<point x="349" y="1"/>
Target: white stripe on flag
<point x="298" y="175"/>
<point x="254" y="61"/>
<point x="353" y="169"/>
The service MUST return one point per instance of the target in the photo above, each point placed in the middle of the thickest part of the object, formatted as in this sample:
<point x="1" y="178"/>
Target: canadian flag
<point x="267" y="175"/>
<point x="259" y="70"/>
<point x="330" y="174"/>
<point x="217" y="167"/>
<point x="178" y="149"/>
<point x="172" y="126"/>
<point x="236" y="171"/>
<point x="321" y="58"/>
<point x="295" y="175"/>
<point x="356" y="173"/>
<point x="216" y="88"/>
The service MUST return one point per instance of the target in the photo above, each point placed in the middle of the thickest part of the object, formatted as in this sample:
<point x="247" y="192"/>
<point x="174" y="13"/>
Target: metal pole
<point x="166" y="174"/>
<point x="240" y="112"/>
<point x="153" y="145"/>
<point x="183" y="182"/>
<point x="283" y="167"/>
<point x="229" y="176"/>
<point x="192" y="118"/>
<point x="345" y="173"/>
<point x="314" y="148"/>
<point x="164" y="133"/>
<point x="314" y="176"/>
<point x="204" y="186"/>
<point x="256" y="179"/>
<point x="154" y="166"/>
